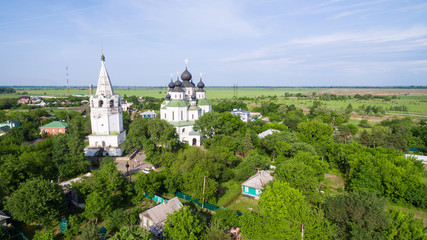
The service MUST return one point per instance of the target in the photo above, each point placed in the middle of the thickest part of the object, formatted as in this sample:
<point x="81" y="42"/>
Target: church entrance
<point x="194" y="142"/>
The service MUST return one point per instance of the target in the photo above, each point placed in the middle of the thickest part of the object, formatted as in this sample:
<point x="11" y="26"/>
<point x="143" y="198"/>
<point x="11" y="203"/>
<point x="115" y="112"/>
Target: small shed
<point x="254" y="185"/>
<point x="4" y="130"/>
<point x="267" y="132"/>
<point x="148" y="114"/>
<point x="154" y="218"/>
<point x="3" y="218"/>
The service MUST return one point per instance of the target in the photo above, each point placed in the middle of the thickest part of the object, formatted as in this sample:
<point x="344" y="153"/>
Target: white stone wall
<point x="109" y="140"/>
<point x="184" y="136"/>
<point x="205" y="109"/>
<point x="193" y="115"/>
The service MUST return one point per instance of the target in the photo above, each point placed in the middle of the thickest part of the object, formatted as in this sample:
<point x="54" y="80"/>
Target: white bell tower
<point x="106" y="118"/>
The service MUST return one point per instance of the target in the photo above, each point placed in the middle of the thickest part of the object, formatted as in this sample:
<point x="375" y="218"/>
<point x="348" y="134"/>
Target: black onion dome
<point x="193" y="97"/>
<point x="186" y="75"/>
<point x="171" y="84"/>
<point x="200" y="84"/>
<point x="178" y="83"/>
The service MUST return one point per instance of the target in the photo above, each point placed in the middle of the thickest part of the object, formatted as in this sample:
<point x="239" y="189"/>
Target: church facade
<point x="106" y="118"/>
<point x="184" y="104"/>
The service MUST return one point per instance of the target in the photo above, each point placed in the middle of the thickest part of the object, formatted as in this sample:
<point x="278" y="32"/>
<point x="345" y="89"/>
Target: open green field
<point x="213" y="92"/>
<point x="414" y="99"/>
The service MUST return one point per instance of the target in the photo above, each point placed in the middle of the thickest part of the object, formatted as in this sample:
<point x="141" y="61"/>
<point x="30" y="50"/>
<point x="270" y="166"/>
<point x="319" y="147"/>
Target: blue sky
<point x="247" y="42"/>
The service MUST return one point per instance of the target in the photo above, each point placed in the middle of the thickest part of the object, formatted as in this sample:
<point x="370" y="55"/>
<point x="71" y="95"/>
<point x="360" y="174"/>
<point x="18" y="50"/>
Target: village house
<point x="244" y="115"/>
<point x="154" y="218"/>
<point x="10" y="124"/>
<point x="254" y="185"/>
<point x="54" y="128"/>
<point x="24" y="100"/>
<point x="148" y="114"/>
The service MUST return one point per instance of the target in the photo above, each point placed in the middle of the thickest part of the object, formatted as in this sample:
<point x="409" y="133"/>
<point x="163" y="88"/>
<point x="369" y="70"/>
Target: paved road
<point x="135" y="165"/>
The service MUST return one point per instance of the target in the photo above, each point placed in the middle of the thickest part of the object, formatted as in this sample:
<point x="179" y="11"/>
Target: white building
<point x="184" y="105"/>
<point x="267" y="132"/>
<point x="106" y="118"/>
<point x="148" y="114"/>
<point x="244" y="115"/>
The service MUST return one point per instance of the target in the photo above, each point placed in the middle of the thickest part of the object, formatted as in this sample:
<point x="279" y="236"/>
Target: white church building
<point x="106" y="118"/>
<point x="184" y="105"/>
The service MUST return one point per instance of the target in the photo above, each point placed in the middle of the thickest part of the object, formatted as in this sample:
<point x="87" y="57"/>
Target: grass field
<point x="414" y="99"/>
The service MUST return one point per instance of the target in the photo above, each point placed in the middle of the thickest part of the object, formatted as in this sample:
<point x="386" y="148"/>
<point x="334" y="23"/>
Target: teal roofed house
<point x="254" y="186"/>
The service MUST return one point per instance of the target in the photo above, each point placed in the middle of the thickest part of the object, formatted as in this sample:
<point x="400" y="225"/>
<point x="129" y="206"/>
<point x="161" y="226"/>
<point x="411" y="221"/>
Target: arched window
<point x="192" y="116"/>
<point x="183" y="130"/>
<point x="173" y="115"/>
<point x="100" y="103"/>
<point x="111" y="103"/>
<point x="182" y="115"/>
<point x="165" y="115"/>
<point x="194" y="142"/>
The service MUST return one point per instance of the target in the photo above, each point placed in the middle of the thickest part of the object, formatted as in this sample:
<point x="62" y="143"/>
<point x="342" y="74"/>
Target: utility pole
<point x="204" y="184"/>
<point x="302" y="231"/>
<point x="68" y="83"/>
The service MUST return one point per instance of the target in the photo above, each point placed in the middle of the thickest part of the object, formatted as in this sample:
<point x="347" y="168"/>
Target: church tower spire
<point x="104" y="84"/>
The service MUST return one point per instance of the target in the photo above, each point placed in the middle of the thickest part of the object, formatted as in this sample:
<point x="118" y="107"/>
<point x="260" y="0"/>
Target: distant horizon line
<point x="47" y="86"/>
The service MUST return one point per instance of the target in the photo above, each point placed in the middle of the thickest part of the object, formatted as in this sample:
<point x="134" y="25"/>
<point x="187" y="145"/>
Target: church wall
<point x="193" y="115"/>
<point x="205" y="109"/>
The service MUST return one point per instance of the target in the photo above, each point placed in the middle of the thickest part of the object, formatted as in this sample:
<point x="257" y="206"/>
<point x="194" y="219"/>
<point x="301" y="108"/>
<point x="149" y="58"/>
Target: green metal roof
<point x="177" y="103"/>
<point x="203" y="102"/>
<point x="194" y="108"/>
<point x="56" y="124"/>
<point x="193" y="133"/>
<point x="182" y="123"/>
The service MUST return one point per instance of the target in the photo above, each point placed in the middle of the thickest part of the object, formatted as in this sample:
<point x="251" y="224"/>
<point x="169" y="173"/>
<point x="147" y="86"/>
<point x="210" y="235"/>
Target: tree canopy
<point x="37" y="200"/>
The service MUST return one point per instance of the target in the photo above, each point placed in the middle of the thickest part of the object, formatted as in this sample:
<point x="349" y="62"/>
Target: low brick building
<point x="55" y="127"/>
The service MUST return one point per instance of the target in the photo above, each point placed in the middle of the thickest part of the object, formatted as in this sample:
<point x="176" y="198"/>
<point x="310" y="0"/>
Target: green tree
<point x="357" y="215"/>
<point x="182" y="224"/>
<point x="150" y="183"/>
<point x="105" y="190"/>
<point x="38" y="201"/>
<point x="46" y="235"/>
<point x="247" y="143"/>
<point x="213" y="123"/>
<point x="349" y="108"/>
<point x="216" y="231"/>
<point x="315" y="132"/>
<point x="283" y="213"/>
<point x="404" y="226"/>
<point x="132" y="233"/>
<point x="227" y="218"/>
<point x="300" y="176"/>
<point x="90" y="232"/>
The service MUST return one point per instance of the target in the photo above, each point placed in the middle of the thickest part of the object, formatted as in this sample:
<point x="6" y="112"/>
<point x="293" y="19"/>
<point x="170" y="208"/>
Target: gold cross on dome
<point x="186" y="62"/>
